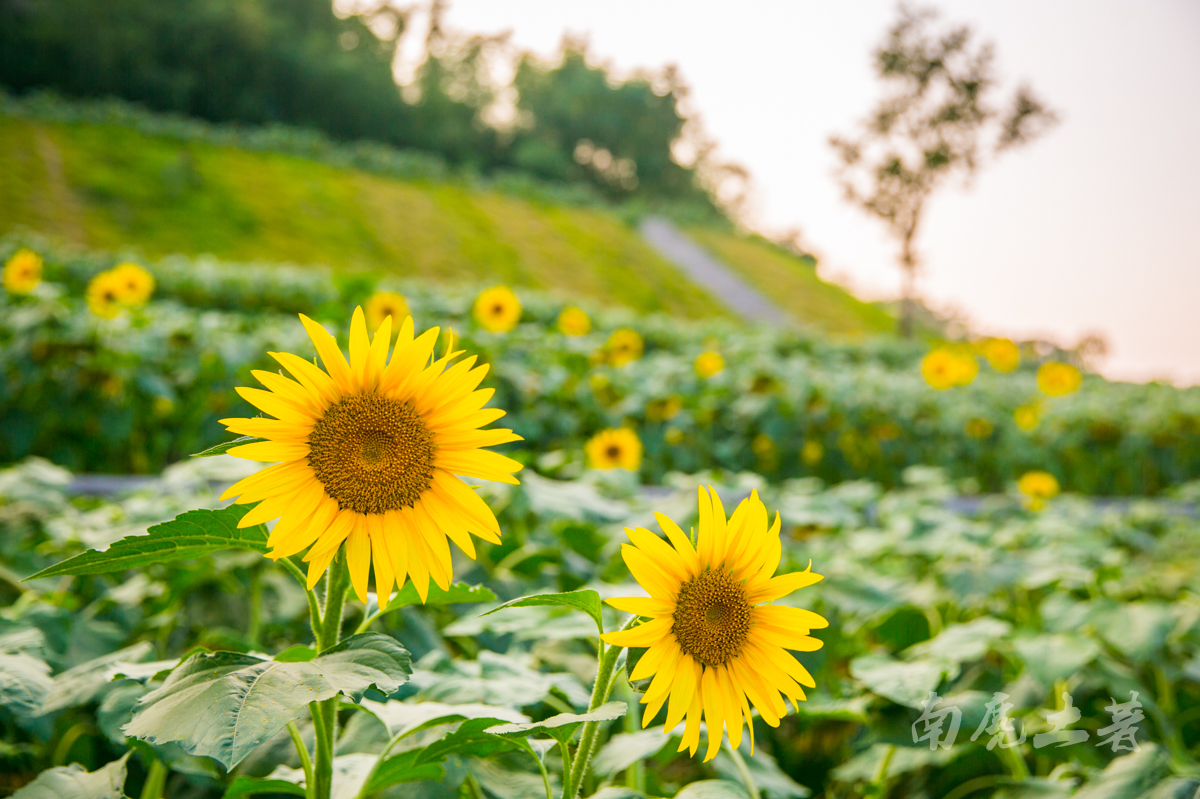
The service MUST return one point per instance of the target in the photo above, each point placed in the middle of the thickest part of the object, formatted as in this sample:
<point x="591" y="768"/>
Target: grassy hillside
<point x="794" y="285"/>
<point x="109" y="186"/>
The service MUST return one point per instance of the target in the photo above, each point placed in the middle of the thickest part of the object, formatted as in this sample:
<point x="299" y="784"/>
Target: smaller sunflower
<point x="812" y="452"/>
<point x="22" y="272"/>
<point x="1037" y="487"/>
<point x="135" y="284"/>
<point x="623" y="346"/>
<point x="384" y="304"/>
<point x="708" y="364"/>
<point x="1026" y="417"/>
<point x="104" y="294"/>
<point x="1001" y="353"/>
<point x="1058" y="379"/>
<point x="665" y="409"/>
<point x="574" y="322"/>
<point x="497" y="309"/>
<point x="614" y="448"/>
<point x="946" y="368"/>
<point x="978" y="428"/>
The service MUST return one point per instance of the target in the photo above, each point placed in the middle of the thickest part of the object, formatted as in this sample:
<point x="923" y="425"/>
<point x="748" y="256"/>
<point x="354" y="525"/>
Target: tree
<point x="937" y="119"/>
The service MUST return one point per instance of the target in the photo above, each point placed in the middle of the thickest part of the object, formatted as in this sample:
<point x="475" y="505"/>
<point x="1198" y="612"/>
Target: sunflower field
<point x="517" y="548"/>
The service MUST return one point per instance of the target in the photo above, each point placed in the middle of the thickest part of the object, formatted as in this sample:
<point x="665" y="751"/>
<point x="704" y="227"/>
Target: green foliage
<point x="561" y="727"/>
<point x="587" y="601"/>
<point x="74" y="782"/>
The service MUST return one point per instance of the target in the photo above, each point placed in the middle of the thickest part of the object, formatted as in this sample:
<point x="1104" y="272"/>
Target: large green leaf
<point x="771" y="780"/>
<point x="188" y="535"/>
<point x="626" y="748"/>
<point x="74" y="782"/>
<point x="586" y="600"/>
<point x="83" y="683"/>
<point x="713" y="789"/>
<point x="402" y="718"/>
<point x="903" y="683"/>
<point x="456" y="594"/>
<point x="562" y="726"/>
<point x="24" y="683"/>
<point x="405" y="767"/>
<point x="225" y="704"/>
<point x="225" y="446"/>
<point x="252" y="786"/>
<point x="471" y="738"/>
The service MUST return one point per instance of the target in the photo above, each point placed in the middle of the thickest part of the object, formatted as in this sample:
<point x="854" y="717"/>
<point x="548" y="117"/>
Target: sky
<point x="1093" y="229"/>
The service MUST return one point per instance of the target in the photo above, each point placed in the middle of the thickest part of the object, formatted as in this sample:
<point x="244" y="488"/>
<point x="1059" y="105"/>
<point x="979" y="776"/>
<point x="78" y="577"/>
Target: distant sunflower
<point x="713" y="641"/>
<point x="946" y="368"/>
<point x="104" y="294"/>
<point x="136" y="284"/>
<point x="1038" y="487"/>
<point x="367" y="453"/>
<point x="614" y="448"/>
<point x="1026" y="417"/>
<point x="1058" y="379"/>
<point x="574" y="322"/>
<point x="497" y="309"/>
<point x="1001" y="353"/>
<point x="383" y="304"/>
<point x="623" y="346"/>
<point x="708" y="364"/>
<point x="22" y="272"/>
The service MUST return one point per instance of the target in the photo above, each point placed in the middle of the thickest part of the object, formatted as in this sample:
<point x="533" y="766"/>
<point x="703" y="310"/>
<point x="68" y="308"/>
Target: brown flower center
<point x="712" y="617"/>
<point x="372" y="454"/>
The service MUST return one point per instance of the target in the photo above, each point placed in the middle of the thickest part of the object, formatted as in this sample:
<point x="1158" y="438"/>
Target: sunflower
<point x="708" y="364"/>
<point x="136" y="284"/>
<point x="1001" y="353"/>
<point x="1058" y="379"/>
<point x="104" y="294"/>
<point x="812" y="452"/>
<point x="22" y="272"/>
<point x="367" y="453"/>
<point x="574" y="322"/>
<point x="1037" y="488"/>
<point x="946" y="368"/>
<point x="1026" y="417"/>
<point x="623" y="346"/>
<point x="497" y="309"/>
<point x="383" y="304"/>
<point x="713" y="641"/>
<point x="614" y="448"/>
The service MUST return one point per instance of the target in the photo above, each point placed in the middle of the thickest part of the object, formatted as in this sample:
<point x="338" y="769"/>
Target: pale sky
<point x="1094" y="228"/>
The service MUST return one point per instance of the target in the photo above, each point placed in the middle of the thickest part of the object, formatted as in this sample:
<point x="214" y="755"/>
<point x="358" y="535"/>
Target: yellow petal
<point x="418" y="561"/>
<point x="335" y="533"/>
<point x="360" y="347"/>
<point x="298" y="512"/>
<point x="397" y="533"/>
<point x="479" y="463"/>
<point x="683" y="690"/>
<point x="680" y="541"/>
<point x="265" y="478"/>
<point x="270" y="451"/>
<point x="307" y="534"/>
<point x="642" y="605"/>
<point x="643" y="635"/>
<point x="714" y="712"/>
<point x="380" y="558"/>
<point x="331" y="355"/>
<point x="377" y="357"/>
<point x="648" y="575"/>
<point x="663" y="555"/>
<point x="780" y="586"/>
<point x="358" y="557"/>
<point x="289" y="390"/>
<point x="467" y="500"/>
<point x="449" y="522"/>
<point x="652" y="660"/>
<point x="310" y="376"/>
<point x="318" y="565"/>
<point x="786" y="618"/>
<point x="266" y="510"/>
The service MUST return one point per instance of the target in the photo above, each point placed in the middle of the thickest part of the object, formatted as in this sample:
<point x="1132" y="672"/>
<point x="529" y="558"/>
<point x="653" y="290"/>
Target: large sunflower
<point x="713" y="640"/>
<point x="367" y="452"/>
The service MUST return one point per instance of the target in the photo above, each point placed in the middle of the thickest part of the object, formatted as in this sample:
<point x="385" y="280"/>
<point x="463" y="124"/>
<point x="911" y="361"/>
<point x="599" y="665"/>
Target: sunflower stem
<point x="743" y="771"/>
<point x="302" y="752"/>
<point x="324" y="714"/>
<point x="605" y="677"/>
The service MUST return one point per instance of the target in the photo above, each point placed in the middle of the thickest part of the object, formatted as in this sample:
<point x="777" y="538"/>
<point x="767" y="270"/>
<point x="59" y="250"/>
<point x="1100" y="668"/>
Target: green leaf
<point x="83" y="683"/>
<point x="616" y="792"/>
<point x="189" y="535"/>
<point x="296" y="654"/>
<point x="221" y="449"/>
<point x="632" y="656"/>
<point x="627" y="748"/>
<point x="1128" y="776"/>
<point x="351" y="771"/>
<point x="250" y="786"/>
<point x="225" y="704"/>
<point x="713" y="789"/>
<point x="457" y="593"/>
<point x="586" y="600"/>
<point x="404" y="767"/>
<point x="961" y="643"/>
<point x="24" y="683"/>
<point x="904" y="683"/>
<point x="73" y="782"/>
<point x="402" y="718"/>
<point x="471" y="738"/>
<point x="562" y="726"/>
<point x="768" y="776"/>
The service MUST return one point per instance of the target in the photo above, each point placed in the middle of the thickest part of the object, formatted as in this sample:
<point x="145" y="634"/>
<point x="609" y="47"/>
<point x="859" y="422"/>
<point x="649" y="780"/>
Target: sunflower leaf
<point x="586" y="600"/>
<point x="24" y="683"/>
<point x="712" y="789"/>
<point x="188" y="535"/>
<point x="73" y="782"/>
<point x="222" y="448"/>
<point x="562" y="726"/>
<point x="458" y="593"/>
<point x="250" y="786"/>
<point x="225" y="704"/>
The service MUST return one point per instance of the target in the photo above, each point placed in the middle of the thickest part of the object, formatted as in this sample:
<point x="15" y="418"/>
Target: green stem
<point x="605" y="677"/>
<point x="635" y="775"/>
<point x="880" y="780"/>
<point x="324" y="714"/>
<point x="743" y="771"/>
<point x="302" y="751"/>
<point x="524" y="744"/>
<point x="156" y="780"/>
<point x="1011" y="757"/>
<point x="978" y="784"/>
<point x="255" y="626"/>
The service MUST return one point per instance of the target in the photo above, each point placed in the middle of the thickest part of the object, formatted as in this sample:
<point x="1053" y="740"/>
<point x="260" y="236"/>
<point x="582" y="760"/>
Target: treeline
<point x="296" y="62"/>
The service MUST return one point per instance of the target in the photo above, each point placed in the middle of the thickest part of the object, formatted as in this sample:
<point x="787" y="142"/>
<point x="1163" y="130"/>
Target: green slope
<point x="109" y="186"/>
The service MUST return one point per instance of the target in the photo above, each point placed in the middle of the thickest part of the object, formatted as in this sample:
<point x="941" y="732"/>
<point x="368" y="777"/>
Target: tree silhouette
<point x="936" y="120"/>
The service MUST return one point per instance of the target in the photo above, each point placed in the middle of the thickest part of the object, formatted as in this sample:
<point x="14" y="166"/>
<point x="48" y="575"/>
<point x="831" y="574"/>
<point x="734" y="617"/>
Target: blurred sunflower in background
<point x="978" y="428"/>
<point x="618" y="448"/>
<point x="1026" y="417"/>
<point x="497" y="309"/>
<point x="623" y="346"/>
<point x="1037" y="487"/>
<point x="22" y="271"/>
<point x="136" y="284"/>
<point x="1001" y="353"/>
<point x="947" y="367"/>
<point x="1058" y="379"/>
<point x="383" y="304"/>
<point x="574" y="322"/>
<point x="713" y="641"/>
<point x="104" y="293"/>
<point x="708" y="364"/>
<point x="367" y="452"/>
